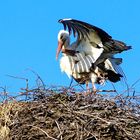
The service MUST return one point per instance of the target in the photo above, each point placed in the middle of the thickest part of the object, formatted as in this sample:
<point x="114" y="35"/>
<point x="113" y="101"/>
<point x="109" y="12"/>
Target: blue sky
<point x="28" y="36"/>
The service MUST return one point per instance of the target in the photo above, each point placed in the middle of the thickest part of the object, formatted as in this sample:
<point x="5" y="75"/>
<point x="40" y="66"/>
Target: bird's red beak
<point x="59" y="48"/>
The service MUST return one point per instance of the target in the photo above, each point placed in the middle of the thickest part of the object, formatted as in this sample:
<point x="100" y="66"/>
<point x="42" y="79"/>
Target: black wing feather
<point x="84" y="28"/>
<point x="69" y="28"/>
<point x="74" y="30"/>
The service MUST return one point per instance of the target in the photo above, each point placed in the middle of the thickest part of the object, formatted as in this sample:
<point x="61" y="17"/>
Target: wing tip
<point x="129" y="47"/>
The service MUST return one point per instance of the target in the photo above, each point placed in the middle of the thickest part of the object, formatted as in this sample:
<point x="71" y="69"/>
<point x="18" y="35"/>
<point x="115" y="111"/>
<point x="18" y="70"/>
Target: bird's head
<point x="63" y="41"/>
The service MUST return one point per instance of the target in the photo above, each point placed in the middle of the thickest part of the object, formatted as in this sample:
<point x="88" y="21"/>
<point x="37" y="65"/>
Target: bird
<point x="91" y="42"/>
<point x="91" y="39"/>
<point x="80" y="65"/>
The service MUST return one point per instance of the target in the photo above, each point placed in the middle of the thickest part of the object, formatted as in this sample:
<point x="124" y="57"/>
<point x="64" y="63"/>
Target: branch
<point x="43" y="132"/>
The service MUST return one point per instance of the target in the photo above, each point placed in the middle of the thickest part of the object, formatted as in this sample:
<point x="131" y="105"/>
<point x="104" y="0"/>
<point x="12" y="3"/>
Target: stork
<point x="94" y="43"/>
<point x="80" y="65"/>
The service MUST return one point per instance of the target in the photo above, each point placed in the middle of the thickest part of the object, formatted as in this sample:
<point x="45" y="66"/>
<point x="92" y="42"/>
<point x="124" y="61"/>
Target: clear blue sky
<point x="28" y="36"/>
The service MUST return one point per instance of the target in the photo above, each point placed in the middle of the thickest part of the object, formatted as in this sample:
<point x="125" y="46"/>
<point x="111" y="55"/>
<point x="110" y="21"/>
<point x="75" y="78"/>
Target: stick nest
<point x="70" y="117"/>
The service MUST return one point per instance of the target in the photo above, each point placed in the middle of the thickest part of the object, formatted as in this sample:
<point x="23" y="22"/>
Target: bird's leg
<point x="93" y="81"/>
<point x="87" y="88"/>
<point x="94" y="88"/>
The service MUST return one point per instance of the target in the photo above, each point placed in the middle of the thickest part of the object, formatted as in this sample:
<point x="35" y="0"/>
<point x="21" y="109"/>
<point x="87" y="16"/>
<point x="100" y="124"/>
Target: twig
<point x="21" y="78"/>
<point x="91" y="115"/>
<point x="60" y="134"/>
<point x="43" y="132"/>
<point x="5" y="93"/>
<point x="71" y="83"/>
<point x="37" y="77"/>
<point x="114" y="88"/>
<point x="128" y="92"/>
<point x="106" y="91"/>
<point x="135" y="83"/>
<point x="65" y="105"/>
<point x="16" y="77"/>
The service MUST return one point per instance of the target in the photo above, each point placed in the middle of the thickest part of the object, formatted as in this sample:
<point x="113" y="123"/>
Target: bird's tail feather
<point x="121" y="45"/>
<point x="115" y="46"/>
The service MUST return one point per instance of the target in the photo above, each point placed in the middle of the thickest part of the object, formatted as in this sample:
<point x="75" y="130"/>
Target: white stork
<point x="94" y="42"/>
<point x="80" y="66"/>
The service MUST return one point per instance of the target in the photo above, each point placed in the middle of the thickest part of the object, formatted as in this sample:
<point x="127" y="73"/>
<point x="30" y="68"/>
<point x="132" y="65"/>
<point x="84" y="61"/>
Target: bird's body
<point x="79" y="66"/>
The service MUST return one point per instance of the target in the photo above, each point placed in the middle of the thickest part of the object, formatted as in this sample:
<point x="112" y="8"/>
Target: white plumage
<point x="79" y="69"/>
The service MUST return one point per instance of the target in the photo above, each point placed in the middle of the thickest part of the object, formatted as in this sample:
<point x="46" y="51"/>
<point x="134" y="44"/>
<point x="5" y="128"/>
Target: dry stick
<point x="71" y="86"/>
<point x="114" y="87"/>
<point x="60" y="134"/>
<point x="4" y="93"/>
<point x="97" y="91"/>
<point x="77" y="132"/>
<point x="37" y="77"/>
<point x="27" y="84"/>
<point x="77" y="112"/>
<point x="128" y="92"/>
<point x="106" y="90"/>
<point x="135" y="83"/>
<point x="89" y="115"/>
<point x="131" y="87"/>
<point x="71" y="83"/>
<point x="43" y="132"/>
<point x="65" y="105"/>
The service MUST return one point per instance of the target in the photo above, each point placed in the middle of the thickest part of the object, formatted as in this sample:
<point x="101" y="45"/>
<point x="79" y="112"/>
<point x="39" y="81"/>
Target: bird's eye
<point x="61" y="37"/>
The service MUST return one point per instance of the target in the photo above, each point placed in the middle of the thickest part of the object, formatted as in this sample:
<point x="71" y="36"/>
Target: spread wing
<point x="95" y="36"/>
<point x="84" y="30"/>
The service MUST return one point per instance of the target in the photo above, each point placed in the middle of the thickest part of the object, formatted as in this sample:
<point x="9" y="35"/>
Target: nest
<point x="70" y="117"/>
